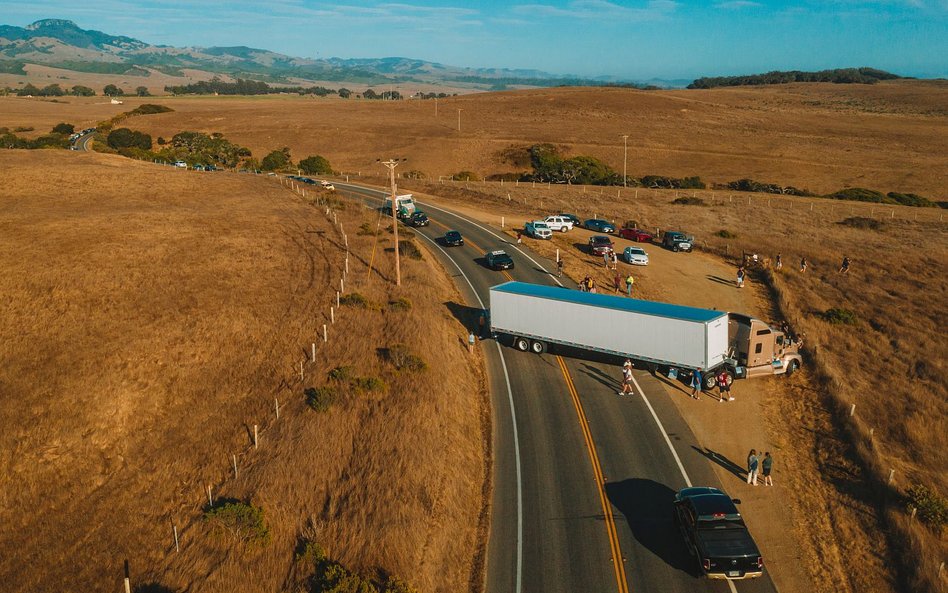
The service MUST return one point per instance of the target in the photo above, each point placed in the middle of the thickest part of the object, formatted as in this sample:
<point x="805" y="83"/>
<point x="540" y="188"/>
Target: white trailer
<point x="673" y="335"/>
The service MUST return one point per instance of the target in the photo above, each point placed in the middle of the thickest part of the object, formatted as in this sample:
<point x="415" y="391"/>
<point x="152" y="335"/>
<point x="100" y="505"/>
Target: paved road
<point x="84" y="142"/>
<point x="583" y="478"/>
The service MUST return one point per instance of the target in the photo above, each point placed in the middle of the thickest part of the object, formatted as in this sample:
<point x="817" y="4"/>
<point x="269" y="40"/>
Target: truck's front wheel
<point x="522" y="344"/>
<point x="792" y="367"/>
<point x="538" y="347"/>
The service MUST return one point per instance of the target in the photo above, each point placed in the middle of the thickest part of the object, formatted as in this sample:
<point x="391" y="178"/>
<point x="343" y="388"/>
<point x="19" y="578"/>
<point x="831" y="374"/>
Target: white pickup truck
<point x="538" y="230"/>
<point x="559" y="223"/>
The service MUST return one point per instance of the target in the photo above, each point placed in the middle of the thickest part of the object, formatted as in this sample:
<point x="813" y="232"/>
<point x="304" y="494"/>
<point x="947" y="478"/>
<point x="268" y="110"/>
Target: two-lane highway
<point x="583" y="478"/>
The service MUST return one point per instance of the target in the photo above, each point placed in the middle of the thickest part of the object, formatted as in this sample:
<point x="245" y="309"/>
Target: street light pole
<point x="391" y="164"/>
<point x="625" y="158"/>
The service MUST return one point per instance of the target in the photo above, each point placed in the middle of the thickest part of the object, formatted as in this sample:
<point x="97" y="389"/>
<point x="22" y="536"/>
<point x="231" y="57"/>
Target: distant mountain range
<point x="63" y="44"/>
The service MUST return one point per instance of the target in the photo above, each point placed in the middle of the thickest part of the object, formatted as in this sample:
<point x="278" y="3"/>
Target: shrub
<point x="242" y="520"/>
<point x="23" y="129"/>
<point x="465" y="176"/>
<point x="409" y="249"/>
<point x="414" y="174"/>
<point x="909" y="200"/>
<point x="688" y="201"/>
<point x="342" y="374"/>
<point x="319" y="399"/>
<point x="692" y="183"/>
<point x="401" y="304"/>
<point x="368" y="384"/>
<point x="365" y="229"/>
<point x="150" y="108"/>
<point x="278" y="159"/>
<point x="932" y="508"/>
<point x="309" y="551"/>
<point x="355" y="299"/>
<point x="862" y="222"/>
<point x="64" y="129"/>
<point x="126" y="138"/>
<point x="400" y="357"/>
<point x="840" y="316"/>
<point x="111" y="90"/>
<point x="142" y="91"/>
<point x="858" y="194"/>
<point x="315" y="165"/>
<point x="726" y="234"/>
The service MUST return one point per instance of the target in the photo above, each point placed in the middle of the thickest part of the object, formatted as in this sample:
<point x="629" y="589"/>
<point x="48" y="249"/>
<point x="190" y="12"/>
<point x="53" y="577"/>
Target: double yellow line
<point x="617" y="561"/>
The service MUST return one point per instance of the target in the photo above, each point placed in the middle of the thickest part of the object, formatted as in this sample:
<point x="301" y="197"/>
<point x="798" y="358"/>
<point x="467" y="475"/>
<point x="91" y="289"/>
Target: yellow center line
<point x="616" y="551"/>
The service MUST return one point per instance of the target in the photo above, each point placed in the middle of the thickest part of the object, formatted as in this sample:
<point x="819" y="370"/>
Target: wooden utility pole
<point x="391" y="164"/>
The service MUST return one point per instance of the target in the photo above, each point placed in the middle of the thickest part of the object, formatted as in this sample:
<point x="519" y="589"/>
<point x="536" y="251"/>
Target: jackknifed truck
<point x="664" y="336"/>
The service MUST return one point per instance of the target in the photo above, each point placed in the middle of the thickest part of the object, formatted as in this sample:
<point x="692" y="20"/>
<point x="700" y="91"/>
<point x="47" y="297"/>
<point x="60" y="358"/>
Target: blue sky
<point x="636" y="39"/>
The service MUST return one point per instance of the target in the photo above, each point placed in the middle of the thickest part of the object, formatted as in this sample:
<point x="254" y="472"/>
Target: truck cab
<point x="758" y="349"/>
<point x="405" y="204"/>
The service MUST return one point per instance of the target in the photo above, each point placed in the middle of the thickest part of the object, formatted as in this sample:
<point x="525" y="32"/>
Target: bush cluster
<point x="465" y="176"/>
<point x="769" y="188"/>
<point x="53" y="140"/>
<point x="688" y="201"/>
<point x="319" y="398"/>
<point x="409" y="249"/>
<point x="932" y="508"/>
<point x="862" y="222"/>
<point x="126" y="138"/>
<point x="400" y="304"/>
<point x="242" y="520"/>
<point x="315" y="165"/>
<point x="400" y="357"/>
<point x="330" y="576"/>
<point x="357" y="300"/>
<point x="725" y="234"/>
<point x="861" y="194"/>
<point x="840" y="316"/>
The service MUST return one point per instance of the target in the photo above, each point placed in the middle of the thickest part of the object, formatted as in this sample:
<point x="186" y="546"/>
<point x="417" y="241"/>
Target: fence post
<point x="852" y="410"/>
<point x="891" y="475"/>
<point x="174" y="529"/>
<point x="210" y="497"/>
<point x="325" y="335"/>
<point x="314" y="352"/>
<point x="234" y="459"/>
<point x="332" y="315"/>
<point x="276" y="407"/>
<point x="255" y="441"/>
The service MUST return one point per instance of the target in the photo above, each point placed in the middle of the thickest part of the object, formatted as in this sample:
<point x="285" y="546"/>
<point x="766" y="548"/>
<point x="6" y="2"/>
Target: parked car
<point x="538" y="230"/>
<point x="602" y="226"/>
<point x="308" y="181"/>
<point x="181" y="164"/>
<point x="559" y="223"/>
<point x="678" y="241"/>
<point x="498" y="260"/>
<point x="573" y="218"/>
<point x="635" y="256"/>
<point x="600" y="244"/>
<point x="715" y="532"/>
<point x="634" y="234"/>
<point x="453" y="239"/>
<point x="419" y="218"/>
<point x="330" y="187"/>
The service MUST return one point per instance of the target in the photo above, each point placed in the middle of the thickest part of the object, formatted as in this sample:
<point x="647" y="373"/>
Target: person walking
<point x="482" y="324"/>
<point x="843" y="269"/>
<point x="617" y="282"/>
<point x="803" y="264"/>
<point x="740" y="276"/>
<point x="696" y="385"/>
<point x="584" y="285"/>
<point x="559" y="268"/>
<point x="627" y="379"/>
<point x="519" y="237"/>
<point x="615" y="261"/>
<point x="766" y="466"/>
<point x="752" y="463"/>
<point x="470" y="342"/>
<point x="629" y="281"/>
<point x="606" y="258"/>
<point x="592" y="287"/>
<point x="724" y="387"/>
<point x="779" y="263"/>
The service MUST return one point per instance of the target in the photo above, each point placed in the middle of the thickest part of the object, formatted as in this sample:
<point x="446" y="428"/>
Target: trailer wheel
<point x="792" y="367"/>
<point x="522" y="344"/>
<point x="538" y="347"/>
<point x="710" y="380"/>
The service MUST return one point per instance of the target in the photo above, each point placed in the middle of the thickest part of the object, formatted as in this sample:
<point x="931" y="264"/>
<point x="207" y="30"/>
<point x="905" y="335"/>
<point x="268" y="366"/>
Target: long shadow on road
<point x="648" y="508"/>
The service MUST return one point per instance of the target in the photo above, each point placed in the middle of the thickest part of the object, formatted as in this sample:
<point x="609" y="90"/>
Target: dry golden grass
<point x="889" y="136"/>
<point x="891" y="365"/>
<point x="150" y="318"/>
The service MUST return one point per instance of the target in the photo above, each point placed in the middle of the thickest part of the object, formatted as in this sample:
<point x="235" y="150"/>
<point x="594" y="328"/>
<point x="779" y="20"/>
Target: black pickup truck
<point x="715" y="532"/>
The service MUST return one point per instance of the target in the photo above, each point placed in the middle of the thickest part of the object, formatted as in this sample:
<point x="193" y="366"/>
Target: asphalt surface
<point x="583" y="478"/>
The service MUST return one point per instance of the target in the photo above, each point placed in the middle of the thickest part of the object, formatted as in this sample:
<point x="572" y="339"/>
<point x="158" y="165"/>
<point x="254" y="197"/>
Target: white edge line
<point x="668" y="442"/>
<point x="513" y="420"/>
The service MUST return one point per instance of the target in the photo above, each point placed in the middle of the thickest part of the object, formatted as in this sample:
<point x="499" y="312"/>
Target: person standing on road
<point x="519" y="237"/>
<point x="615" y="261"/>
<point x="696" y="385"/>
<point x="740" y="276"/>
<point x="627" y="379"/>
<point x="629" y="281"/>
<point x="767" y="465"/>
<point x="724" y="388"/>
<point x="752" y="463"/>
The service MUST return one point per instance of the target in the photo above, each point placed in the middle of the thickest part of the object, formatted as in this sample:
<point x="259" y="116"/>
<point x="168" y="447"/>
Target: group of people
<point x="610" y="257"/>
<point x="722" y="380"/>
<point x="804" y="265"/>
<point x="759" y="466"/>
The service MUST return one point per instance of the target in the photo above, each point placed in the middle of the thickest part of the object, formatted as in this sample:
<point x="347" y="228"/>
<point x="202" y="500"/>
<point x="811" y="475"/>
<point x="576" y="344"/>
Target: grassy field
<point x="890" y="363"/>
<point x="152" y="318"/>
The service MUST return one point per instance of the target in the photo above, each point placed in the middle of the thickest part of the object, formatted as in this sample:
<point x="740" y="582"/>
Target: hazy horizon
<point x="636" y="40"/>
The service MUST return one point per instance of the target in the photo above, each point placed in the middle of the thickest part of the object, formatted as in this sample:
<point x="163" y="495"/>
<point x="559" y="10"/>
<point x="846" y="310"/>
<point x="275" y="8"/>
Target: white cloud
<point x="600" y="10"/>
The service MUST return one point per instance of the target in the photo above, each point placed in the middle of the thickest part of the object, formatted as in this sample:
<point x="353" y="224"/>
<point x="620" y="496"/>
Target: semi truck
<point x="662" y="335"/>
<point x="406" y="206"/>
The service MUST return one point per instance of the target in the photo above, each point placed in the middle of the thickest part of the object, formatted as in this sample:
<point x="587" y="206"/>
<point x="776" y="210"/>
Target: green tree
<point x="52" y="90"/>
<point x="142" y="91"/>
<point x="125" y="138"/>
<point x="28" y="90"/>
<point x="345" y="93"/>
<point x="276" y="160"/>
<point x="64" y="129"/>
<point x="111" y="90"/>
<point x="315" y="165"/>
<point x="82" y="91"/>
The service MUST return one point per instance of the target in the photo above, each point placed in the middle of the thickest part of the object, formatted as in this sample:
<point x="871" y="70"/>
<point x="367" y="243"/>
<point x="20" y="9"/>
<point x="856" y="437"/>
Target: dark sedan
<point x="599" y="225"/>
<point x="453" y="239"/>
<point x="572" y="217"/>
<point x="498" y="260"/>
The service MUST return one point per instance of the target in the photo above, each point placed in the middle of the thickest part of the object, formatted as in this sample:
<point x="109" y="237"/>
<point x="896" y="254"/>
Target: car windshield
<point x="635" y="251"/>
<point x="601" y="240"/>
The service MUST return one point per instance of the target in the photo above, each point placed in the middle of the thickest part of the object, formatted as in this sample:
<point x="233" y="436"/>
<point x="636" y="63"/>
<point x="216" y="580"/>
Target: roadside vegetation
<point x="837" y="75"/>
